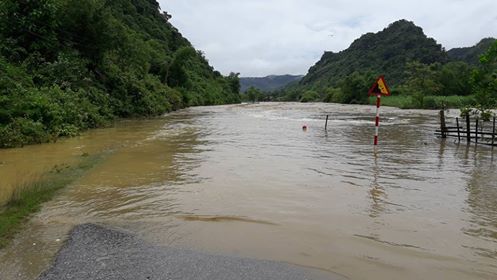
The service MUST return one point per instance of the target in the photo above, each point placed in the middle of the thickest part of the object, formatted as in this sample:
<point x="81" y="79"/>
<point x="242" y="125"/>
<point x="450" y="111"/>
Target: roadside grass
<point x="29" y="197"/>
<point x="427" y="102"/>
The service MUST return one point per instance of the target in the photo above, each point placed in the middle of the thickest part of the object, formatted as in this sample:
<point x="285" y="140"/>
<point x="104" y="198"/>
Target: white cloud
<point x="263" y="37"/>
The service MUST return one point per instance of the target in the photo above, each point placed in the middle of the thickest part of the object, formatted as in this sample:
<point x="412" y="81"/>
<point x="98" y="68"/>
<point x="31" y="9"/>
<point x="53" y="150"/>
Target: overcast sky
<point x="263" y="37"/>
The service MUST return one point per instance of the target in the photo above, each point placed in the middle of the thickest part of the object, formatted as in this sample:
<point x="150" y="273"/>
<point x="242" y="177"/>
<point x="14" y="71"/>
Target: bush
<point x="429" y="102"/>
<point x="334" y="95"/>
<point x="309" y="96"/>
<point x="21" y="132"/>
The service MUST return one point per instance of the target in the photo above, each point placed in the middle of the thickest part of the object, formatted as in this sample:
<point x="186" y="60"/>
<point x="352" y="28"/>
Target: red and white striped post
<point x="377" y="128"/>
<point x="379" y="88"/>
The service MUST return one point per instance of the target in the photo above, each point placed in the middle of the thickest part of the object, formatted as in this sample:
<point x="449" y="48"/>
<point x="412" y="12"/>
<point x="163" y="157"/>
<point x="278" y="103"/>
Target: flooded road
<point x="246" y="180"/>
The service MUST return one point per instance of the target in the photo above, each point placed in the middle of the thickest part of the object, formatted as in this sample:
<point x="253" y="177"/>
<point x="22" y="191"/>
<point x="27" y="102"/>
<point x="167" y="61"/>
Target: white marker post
<point x="377" y="128"/>
<point x="378" y="89"/>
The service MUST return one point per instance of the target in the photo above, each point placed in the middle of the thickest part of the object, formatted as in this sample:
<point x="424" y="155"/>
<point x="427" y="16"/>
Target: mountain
<point x="70" y="65"/>
<point x="471" y="55"/>
<point x="269" y="83"/>
<point x="386" y="52"/>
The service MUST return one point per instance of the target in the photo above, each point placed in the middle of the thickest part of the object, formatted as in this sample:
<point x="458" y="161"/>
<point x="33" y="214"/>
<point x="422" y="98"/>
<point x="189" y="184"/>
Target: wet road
<point x="95" y="252"/>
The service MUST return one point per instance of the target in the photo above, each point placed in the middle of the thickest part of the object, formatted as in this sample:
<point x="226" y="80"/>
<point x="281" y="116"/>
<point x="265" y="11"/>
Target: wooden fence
<point x="482" y="133"/>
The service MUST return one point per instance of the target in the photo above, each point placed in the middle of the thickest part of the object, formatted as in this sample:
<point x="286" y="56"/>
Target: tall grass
<point x="11" y="191"/>
<point x="30" y="194"/>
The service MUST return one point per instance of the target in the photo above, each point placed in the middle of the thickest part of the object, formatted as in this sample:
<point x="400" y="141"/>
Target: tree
<point x="485" y="79"/>
<point x="87" y="27"/>
<point x="234" y="82"/>
<point x="354" y="88"/>
<point x="455" y="79"/>
<point x="29" y="26"/>
<point x="253" y="94"/>
<point x="309" y="96"/>
<point x="176" y="74"/>
<point x="424" y="78"/>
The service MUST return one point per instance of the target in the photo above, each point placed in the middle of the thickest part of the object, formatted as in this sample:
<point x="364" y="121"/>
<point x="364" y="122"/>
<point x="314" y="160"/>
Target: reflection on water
<point x="378" y="195"/>
<point x="247" y="180"/>
<point x="481" y="201"/>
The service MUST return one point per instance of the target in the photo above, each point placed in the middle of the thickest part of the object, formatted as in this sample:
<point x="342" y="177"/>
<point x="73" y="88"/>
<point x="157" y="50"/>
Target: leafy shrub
<point x="429" y="102"/>
<point x="22" y="131"/>
<point x="309" y="96"/>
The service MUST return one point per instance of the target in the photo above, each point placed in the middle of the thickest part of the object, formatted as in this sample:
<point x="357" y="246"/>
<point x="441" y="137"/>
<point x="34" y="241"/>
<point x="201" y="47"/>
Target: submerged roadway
<point x="96" y="252"/>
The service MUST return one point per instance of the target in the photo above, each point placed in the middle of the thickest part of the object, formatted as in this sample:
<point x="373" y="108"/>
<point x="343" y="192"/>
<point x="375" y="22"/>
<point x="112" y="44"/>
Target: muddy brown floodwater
<point x="246" y="180"/>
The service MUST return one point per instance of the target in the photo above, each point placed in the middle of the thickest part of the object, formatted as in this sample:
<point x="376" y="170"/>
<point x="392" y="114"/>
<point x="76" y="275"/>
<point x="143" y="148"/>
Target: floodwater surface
<point x="246" y="180"/>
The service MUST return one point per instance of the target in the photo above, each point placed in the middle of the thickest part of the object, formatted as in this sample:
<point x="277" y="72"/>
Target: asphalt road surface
<point x="95" y="252"/>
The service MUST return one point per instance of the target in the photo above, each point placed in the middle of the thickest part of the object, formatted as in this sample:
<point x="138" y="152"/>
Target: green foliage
<point x="309" y="96"/>
<point x="429" y="102"/>
<point x="352" y="89"/>
<point x="269" y="83"/>
<point x="355" y="88"/>
<point x="28" y="27"/>
<point x="455" y="79"/>
<point x="485" y="79"/>
<point x="435" y="79"/>
<point x="176" y="73"/>
<point x="471" y="55"/>
<point x="334" y="95"/>
<point x="423" y="79"/>
<point x="70" y="65"/>
<point x="253" y="95"/>
<point x="234" y="82"/>
<point x="478" y="111"/>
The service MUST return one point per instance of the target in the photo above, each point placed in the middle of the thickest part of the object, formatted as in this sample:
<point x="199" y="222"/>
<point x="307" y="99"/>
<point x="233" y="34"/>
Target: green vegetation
<point x="269" y="83"/>
<point x="70" y="65"/>
<point x="484" y="79"/>
<point x="471" y="55"/>
<point x="421" y="74"/>
<point x="253" y="95"/>
<point x="28" y="198"/>
<point x="429" y="102"/>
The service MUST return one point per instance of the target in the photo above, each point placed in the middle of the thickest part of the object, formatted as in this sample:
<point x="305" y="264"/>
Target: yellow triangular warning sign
<point x="379" y="87"/>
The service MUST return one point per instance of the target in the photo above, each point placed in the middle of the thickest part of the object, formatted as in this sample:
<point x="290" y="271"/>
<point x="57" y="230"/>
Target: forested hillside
<point x="70" y="65"/>
<point x="269" y="83"/>
<point x="471" y="55"/>
<point x="419" y="71"/>
<point x="386" y="52"/>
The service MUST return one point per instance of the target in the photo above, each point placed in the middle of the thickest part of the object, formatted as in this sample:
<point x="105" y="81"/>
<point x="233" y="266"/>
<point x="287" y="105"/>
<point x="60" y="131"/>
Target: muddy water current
<point x="246" y="180"/>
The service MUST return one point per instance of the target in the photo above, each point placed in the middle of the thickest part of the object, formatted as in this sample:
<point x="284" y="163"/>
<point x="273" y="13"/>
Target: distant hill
<point x="471" y="55"/>
<point x="269" y="83"/>
<point x="386" y="52"/>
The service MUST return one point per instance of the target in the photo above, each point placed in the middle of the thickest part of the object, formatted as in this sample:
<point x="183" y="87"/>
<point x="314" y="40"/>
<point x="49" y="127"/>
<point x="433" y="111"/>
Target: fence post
<point x="458" y="131"/>
<point x="443" y="127"/>
<point x="326" y="124"/>
<point x="468" y="128"/>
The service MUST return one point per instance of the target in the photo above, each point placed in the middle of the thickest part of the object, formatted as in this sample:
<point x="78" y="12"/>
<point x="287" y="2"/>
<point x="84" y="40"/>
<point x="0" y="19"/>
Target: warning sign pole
<point x="379" y="88"/>
<point x="378" y="102"/>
